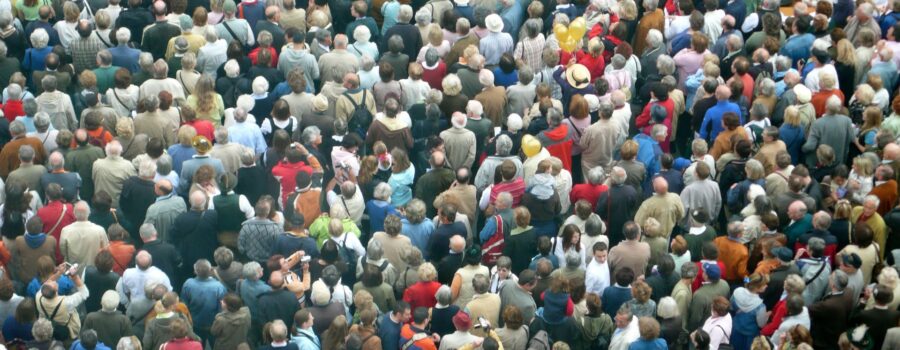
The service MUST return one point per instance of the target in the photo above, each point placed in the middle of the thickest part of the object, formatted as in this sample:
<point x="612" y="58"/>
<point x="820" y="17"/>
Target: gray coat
<point x="833" y="130"/>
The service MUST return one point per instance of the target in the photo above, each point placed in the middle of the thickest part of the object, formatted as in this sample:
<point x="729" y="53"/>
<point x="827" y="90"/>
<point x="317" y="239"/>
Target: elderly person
<point x="488" y="167"/>
<point x="34" y="57"/>
<point x="110" y="173"/>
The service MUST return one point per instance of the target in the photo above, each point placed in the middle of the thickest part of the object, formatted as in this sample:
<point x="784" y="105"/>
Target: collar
<point x="697" y="230"/>
<point x="162" y="198"/>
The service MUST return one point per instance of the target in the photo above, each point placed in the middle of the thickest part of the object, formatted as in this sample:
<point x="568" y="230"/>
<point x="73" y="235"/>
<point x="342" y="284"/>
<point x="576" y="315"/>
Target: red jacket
<point x="255" y="53"/>
<point x="559" y="144"/>
<point x="204" y="128"/>
<point x="435" y="77"/>
<point x="643" y="121"/>
<point x="588" y="192"/>
<point x="52" y="213"/>
<point x="182" y="344"/>
<point x="421" y="294"/>
<point x="595" y="65"/>
<point x="13" y="109"/>
<point x="285" y="173"/>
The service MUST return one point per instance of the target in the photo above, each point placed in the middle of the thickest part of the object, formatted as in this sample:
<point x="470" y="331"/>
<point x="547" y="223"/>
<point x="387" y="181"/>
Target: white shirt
<point x="676" y="25"/>
<point x="597" y="277"/>
<point x="351" y="241"/>
<point x="266" y="126"/>
<point x="812" y="79"/>
<point x="718" y="335"/>
<point x="713" y="24"/>
<point x="131" y="285"/>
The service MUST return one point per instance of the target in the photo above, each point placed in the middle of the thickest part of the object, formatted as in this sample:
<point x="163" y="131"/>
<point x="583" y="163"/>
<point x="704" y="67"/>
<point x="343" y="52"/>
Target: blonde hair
<point x="186" y="134"/>
<point x="846" y="53"/>
<point x="427" y="272"/>
<point x="435" y="35"/>
<point x="792" y="116"/>
<point x="863" y="166"/>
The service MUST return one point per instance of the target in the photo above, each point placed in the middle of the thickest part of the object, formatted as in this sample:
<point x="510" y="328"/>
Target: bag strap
<point x="573" y="126"/>
<point x="347" y="210"/>
<point x="105" y="42"/>
<point x="416" y="337"/>
<point x="228" y="28"/>
<point x="63" y="214"/>
<point x="353" y="102"/>
<point x="55" y="310"/>
<point x="817" y="273"/>
<point x="183" y="85"/>
<point x="727" y="336"/>
<point x="116" y="94"/>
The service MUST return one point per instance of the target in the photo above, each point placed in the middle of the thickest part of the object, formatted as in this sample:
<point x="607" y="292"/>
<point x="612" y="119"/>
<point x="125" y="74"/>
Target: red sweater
<point x="50" y="214"/>
<point x="643" y="121"/>
<point x="421" y="294"/>
<point x="434" y="77"/>
<point x="13" y="109"/>
<point x="587" y="192"/>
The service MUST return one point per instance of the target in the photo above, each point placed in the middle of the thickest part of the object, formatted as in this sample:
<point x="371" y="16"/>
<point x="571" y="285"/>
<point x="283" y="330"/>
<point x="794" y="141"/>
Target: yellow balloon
<point x="561" y="32"/>
<point x="569" y="45"/>
<point x="530" y="145"/>
<point x="577" y="28"/>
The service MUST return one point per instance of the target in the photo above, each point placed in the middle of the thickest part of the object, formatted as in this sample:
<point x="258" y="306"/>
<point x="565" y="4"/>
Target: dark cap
<point x="784" y="254"/>
<point x="526" y="277"/>
<point x="712" y="271"/>
<point x="852" y="259"/>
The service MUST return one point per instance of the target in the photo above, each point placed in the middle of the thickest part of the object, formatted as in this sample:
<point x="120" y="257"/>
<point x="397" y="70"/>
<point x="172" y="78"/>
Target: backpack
<point x="493" y="247"/>
<point x="60" y="330"/>
<point x="540" y="341"/>
<point x="98" y="141"/>
<point x="360" y="119"/>
<point x="350" y="257"/>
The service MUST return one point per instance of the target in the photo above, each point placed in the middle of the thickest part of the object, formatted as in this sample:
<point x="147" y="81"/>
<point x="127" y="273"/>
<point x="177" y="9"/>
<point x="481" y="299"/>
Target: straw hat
<point x="578" y="76"/>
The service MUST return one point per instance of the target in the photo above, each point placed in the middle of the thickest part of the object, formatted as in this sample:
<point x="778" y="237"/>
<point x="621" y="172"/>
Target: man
<point x="233" y="28"/>
<point x="293" y="17"/>
<point x="304" y="201"/>
<point x="138" y="193"/>
<point x="663" y="206"/>
<point x="122" y="55"/>
<point x="484" y="304"/>
<point x="829" y="130"/>
<point x="501" y="222"/>
<point x="816" y="268"/>
<point x="270" y="24"/>
<point x="463" y="323"/>
<point x="518" y="294"/>
<point x="305" y="338"/>
<point x="154" y="124"/>
<point x="441" y="237"/>
<point x="161" y="328"/>
<point x="850" y="264"/>
<point x="110" y="324"/>
<point x="475" y="121"/>
<point x="829" y="317"/>
<point x="434" y="182"/>
<point x="597" y="277"/>
<point x="777" y="180"/>
<point x="27" y="172"/>
<point x="733" y="254"/>
<point x="105" y="70"/>
<point x="799" y="44"/>
<point x="712" y="121"/>
<point x="496" y="42"/>
<point x="258" y="235"/>
<point x="85" y="47"/>
<point x="346" y="104"/>
<point x="631" y="252"/>
<point x="65" y="307"/>
<point x="338" y="60"/>
<point x="57" y="104"/>
<point x="626" y="331"/>
<point x="296" y="55"/>
<point x="653" y="19"/>
<point x="82" y="240"/>
<point x="784" y="200"/>
<point x="321" y="44"/>
<point x="155" y="38"/>
<point x="246" y="134"/>
<point x="864" y="18"/>
<point x="203" y="295"/>
<point x="80" y="160"/>
<point x="703" y="192"/>
<point x="195" y="232"/>
<point x="412" y="39"/>
<point x="161" y="82"/>
<point x="627" y="203"/>
<point x="132" y="285"/>
<point x="800" y="222"/>
<point x="30" y="247"/>
<point x="459" y="143"/>
<point x="452" y="261"/>
<point x="136" y="17"/>
<point x="463" y="193"/>
<point x="415" y="335"/>
<point x="599" y="141"/>
<point x="392" y="323"/>
<point x="358" y="11"/>
<point x="228" y="153"/>
<point x="111" y="172"/>
<point x="879" y="318"/>
<point x="886" y="68"/>
<point x="167" y="257"/>
<point x="56" y="216"/>
<point x="778" y="275"/>
<point x="295" y="161"/>
<point x="43" y="22"/>
<point x="162" y="213"/>
<point x="701" y="303"/>
<point x="867" y="214"/>
<point x="466" y="38"/>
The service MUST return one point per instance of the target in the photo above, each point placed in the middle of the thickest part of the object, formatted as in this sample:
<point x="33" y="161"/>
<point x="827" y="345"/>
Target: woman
<point x="501" y="273"/>
<point x="386" y="87"/>
<point x="17" y="327"/>
<point x="365" y="329"/>
<point x="122" y="252"/>
<point x="649" y="340"/>
<point x="216" y="14"/>
<point x="206" y="103"/>
<point x="264" y="39"/>
<point x="201" y="20"/>
<point x="188" y="76"/>
<point x="749" y="311"/>
<point x="132" y="145"/>
<point x="264" y="68"/>
<point x="570" y="241"/>
<point x="454" y="100"/>
<point x="863" y="245"/>
<point x="100" y="278"/>
<point x="462" y="288"/>
<point x="865" y="141"/>
<point x="578" y="120"/>
<point x="513" y="334"/>
<point x="889" y="278"/>
<point x="123" y="96"/>
<point x="361" y="45"/>
<point x="402" y="178"/>
<point x="542" y="201"/>
<point x="861" y="179"/>
<point x="443" y="311"/>
<point x="793" y="286"/>
<point x="67" y="28"/>
<point x="737" y="197"/>
<point x="688" y="61"/>
<point x="670" y="322"/>
<point x="863" y="97"/>
<point x="337" y="332"/>
<point x="12" y="36"/>
<point x="423" y="293"/>
<point x="718" y="325"/>
<point x="506" y="74"/>
<point x="641" y="305"/>
<point x="46" y="269"/>
<point x="416" y="227"/>
<point x="594" y="325"/>
<point x="845" y="65"/>
<point x="390" y="128"/>
<point x="435" y="40"/>
<point x="882" y="96"/>
<point x="793" y="133"/>
<point x="280" y="119"/>
<point x="15" y="212"/>
<point x="36" y="55"/>
<point x="372" y="281"/>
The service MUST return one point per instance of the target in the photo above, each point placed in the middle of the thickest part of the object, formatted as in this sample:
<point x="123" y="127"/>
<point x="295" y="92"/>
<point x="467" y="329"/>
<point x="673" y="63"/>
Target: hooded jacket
<point x="750" y="313"/>
<point x="231" y="328"/>
<point x="558" y="141"/>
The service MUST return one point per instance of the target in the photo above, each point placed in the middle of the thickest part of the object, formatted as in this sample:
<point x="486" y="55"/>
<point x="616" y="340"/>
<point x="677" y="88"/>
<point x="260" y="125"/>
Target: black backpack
<point x="349" y="257"/>
<point x="361" y="118"/>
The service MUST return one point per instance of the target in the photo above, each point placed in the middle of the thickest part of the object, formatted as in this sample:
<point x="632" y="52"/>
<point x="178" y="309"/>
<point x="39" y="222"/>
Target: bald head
<point x="143" y="260"/>
<point x="198" y="200"/>
<point x="723" y="93"/>
<point x="437" y="160"/>
<point x="351" y="81"/>
<point x="457" y="243"/>
<point x="276" y="279"/>
<point x="797" y="210"/>
<point x="82" y="211"/>
<point x="891" y="151"/>
<point x="163" y="187"/>
<point x="660" y="186"/>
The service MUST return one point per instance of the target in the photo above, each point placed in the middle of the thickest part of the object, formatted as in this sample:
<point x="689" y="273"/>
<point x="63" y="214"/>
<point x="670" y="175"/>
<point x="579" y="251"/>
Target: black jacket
<point x="520" y="247"/>
<point x="278" y="305"/>
<point x="447" y="268"/>
<point x="195" y="234"/>
<point x="829" y="318"/>
<point x="165" y="257"/>
<point x="412" y="39"/>
<point x="136" y="197"/>
<point x="615" y="216"/>
<point x="878" y="321"/>
<point x="776" y="284"/>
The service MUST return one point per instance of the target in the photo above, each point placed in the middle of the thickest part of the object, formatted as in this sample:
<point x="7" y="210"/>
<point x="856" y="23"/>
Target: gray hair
<point x="382" y="191"/>
<point x="405" y="14"/>
<point x="833" y="105"/>
<point x="39" y="38"/>
<point x="618" y="176"/>
<point x="362" y="34"/>
<point x="42" y="330"/>
<point x="41" y="121"/>
<point x="210" y="34"/>
<point x="13" y="90"/>
<point x="503" y="145"/>
<point x="481" y="283"/>
<point x="147" y="231"/>
<point x="423" y="17"/>
<point x="816" y="247"/>
<point x="782" y="63"/>
<point x="123" y="35"/>
<point x="30" y="106"/>
<point x="232" y="68"/>
<point x="651" y="4"/>
<point x="665" y="64"/>
<point x="17" y="127"/>
<point x="56" y="161"/>
<point x="872" y="198"/>
<point x="310" y="134"/>
<point x="147" y="169"/>
<point x="618" y="61"/>
<point x="596" y="176"/>
<point x="251" y="270"/>
<point x="821" y="220"/>
<point x="734" y="41"/>
<point x="573" y="258"/>
<point x="667" y="308"/>
<point x="264" y="38"/>
<point x="443" y="295"/>
<point x="164" y="164"/>
<point x="840" y="279"/>
<point x="48" y="82"/>
<point x="654" y="38"/>
<point x="659" y="130"/>
<point x="504" y="199"/>
<point x="26" y="154"/>
<point x="767" y="87"/>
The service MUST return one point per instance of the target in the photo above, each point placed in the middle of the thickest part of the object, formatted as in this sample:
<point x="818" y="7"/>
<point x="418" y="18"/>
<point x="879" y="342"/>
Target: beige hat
<point x="494" y="23"/>
<point x="803" y="93"/>
<point x="320" y="103"/>
<point x="578" y="76"/>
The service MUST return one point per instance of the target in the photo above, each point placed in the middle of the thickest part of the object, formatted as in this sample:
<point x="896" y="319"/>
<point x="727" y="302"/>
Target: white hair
<point x="260" y="85"/>
<point x="232" y="68"/>
<point x="486" y="78"/>
<point x="123" y="35"/>
<point x="245" y="102"/>
<point x="40" y="38"/>
<point x="147" y="169"/>
<point x="362" y="34"/>
<point x="474" y="107"/>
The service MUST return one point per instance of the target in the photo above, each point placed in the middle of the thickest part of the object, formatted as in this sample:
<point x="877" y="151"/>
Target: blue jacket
<point x="713" y="118"/>
<point x="797" y="47"/>
<point x="643" y="344"/>
<point x="125" y="57"/>
<point x="306" y="339"/>
<point x="648" y="153"/>
<point x="389" y="332"/>
<point x="202" y="298"/>
<point x="378" y="210"/>
<point x="613" y="298"/>
<point x="738" y="10"/>
<point x="794" y="137"/>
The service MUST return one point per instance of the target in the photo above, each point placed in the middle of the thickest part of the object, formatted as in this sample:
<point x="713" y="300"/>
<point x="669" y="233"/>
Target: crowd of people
<point x="450" y="174"/>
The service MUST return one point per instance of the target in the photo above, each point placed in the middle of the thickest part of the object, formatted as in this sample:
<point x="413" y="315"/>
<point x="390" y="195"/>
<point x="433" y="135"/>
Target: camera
<point x="483" y="324"/>
<point x="305" y="259"/>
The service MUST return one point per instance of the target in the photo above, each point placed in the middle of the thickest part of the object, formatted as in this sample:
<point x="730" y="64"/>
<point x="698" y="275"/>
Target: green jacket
<point x="592" y="329"/>
<point x="701" y="303"/>
<point x="319" y="229"/>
